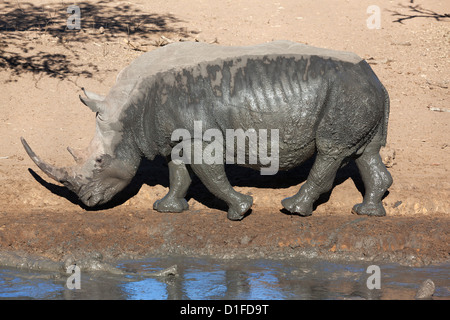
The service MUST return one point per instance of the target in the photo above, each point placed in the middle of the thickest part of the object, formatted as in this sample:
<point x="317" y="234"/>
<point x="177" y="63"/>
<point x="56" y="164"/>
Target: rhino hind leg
<point x="180" y="180"/>
<point x="319" y="181"/>
<point x="214" y="178"/>
<point x="376" y="179"/>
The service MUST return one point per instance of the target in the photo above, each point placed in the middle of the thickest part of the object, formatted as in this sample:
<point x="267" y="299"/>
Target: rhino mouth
<point x="92" y="200"/>
<point x="92" y="195"/>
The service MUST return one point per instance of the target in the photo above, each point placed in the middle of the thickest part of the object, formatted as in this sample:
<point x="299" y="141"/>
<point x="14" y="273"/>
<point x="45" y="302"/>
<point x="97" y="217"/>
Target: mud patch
<point x="118" y="234"/>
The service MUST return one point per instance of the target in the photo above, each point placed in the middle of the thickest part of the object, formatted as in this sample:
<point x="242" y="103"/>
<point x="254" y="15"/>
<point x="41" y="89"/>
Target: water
<point x="205" y="279"/>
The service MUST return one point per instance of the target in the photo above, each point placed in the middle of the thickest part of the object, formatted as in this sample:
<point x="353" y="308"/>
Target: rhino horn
<point x="96" y="105"/>
<point x="77" y="155"/>
<point x="59" y="174"/>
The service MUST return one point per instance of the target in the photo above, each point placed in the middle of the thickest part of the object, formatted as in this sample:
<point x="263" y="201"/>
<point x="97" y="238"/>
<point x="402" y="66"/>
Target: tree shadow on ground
<point x="30" y="35"/>
<point x="416" y="11"/>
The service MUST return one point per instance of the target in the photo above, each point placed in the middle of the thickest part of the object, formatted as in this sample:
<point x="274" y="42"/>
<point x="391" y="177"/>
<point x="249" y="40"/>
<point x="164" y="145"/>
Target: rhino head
<point x="105" y="167"/>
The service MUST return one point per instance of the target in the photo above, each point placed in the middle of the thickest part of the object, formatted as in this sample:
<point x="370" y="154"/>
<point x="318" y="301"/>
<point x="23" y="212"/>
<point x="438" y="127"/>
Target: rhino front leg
<point x="214" y="178"/>
<point x="180" y="181"/>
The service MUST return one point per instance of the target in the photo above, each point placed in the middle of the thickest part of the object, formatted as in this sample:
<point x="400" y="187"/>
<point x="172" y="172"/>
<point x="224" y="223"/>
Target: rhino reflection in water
<point x="320" y="102"/>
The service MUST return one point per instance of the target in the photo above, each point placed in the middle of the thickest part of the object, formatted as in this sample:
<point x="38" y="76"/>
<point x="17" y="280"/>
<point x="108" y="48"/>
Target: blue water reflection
<point x="204" y="279"/>
<point x="148" y="289"/>
<point x="26" y="285"/>
<point x="264" y="286"/>
<point x="204" y="285"/>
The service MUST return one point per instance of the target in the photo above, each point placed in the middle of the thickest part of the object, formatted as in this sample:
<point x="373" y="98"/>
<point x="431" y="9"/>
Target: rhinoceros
<point x="322" y="102"/>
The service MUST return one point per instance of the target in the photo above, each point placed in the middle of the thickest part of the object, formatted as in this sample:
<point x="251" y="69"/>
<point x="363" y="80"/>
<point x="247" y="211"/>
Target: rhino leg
<point x="376" y="180"/>
<point x="319" y="181"/>
<point x="180" y="181"/>
<point x="214" y="178"/>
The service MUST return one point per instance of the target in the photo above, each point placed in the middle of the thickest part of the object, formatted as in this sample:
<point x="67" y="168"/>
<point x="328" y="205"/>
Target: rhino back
<point x="182" y="55"/>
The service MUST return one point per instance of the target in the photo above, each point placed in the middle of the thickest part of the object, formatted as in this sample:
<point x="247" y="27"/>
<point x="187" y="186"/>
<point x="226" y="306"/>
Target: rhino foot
<point x="170" y="204"/>
<point x="369" y="209"/>
<point x="293" y="205"/>
<point x="236" y="211"/>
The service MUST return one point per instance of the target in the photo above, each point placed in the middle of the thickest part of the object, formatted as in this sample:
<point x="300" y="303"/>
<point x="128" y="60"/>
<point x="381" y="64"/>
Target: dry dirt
<point x="43" y="66"/>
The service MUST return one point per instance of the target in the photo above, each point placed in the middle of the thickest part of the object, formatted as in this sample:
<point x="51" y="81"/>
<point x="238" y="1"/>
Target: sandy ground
<point x="43" y="66"/>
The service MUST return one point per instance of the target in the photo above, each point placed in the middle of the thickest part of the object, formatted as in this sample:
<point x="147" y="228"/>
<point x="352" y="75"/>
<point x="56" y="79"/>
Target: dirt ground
<point x="44" y="65"/>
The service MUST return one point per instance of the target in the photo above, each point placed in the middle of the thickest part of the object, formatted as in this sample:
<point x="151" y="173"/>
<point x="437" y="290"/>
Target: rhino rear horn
<point x="77" y="155"/>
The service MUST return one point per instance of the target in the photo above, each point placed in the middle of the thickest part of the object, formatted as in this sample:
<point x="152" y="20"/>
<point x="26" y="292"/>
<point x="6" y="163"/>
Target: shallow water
<point x="201" y="279"/>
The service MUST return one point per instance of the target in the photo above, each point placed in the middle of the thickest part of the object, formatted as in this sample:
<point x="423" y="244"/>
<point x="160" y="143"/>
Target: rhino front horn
<point x="59" y="174"/>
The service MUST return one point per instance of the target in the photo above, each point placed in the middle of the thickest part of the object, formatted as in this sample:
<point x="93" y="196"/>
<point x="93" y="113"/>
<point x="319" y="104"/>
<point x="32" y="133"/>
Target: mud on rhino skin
<point x="320" y="101"/>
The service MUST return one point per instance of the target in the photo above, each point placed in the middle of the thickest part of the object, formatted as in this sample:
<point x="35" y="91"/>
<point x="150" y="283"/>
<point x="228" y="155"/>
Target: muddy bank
<point x="114" y="234"/>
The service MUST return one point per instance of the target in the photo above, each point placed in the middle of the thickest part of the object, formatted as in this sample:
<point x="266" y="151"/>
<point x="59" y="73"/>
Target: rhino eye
<point x="99" y="160"/>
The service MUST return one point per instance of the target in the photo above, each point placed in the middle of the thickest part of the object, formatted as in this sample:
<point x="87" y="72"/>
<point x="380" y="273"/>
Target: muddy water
<point x="237" y="279"/>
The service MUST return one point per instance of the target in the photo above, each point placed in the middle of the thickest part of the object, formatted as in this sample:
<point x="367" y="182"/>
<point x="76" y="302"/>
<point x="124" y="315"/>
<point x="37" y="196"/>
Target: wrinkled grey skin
<point x="322" y="101"/>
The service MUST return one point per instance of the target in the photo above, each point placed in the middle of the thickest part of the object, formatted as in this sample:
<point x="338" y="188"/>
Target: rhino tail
<point x="387" y="105"/>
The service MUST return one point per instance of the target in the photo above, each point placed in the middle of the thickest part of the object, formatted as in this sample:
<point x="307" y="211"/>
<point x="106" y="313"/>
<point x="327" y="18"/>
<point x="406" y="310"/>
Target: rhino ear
<point x="92" y="95"/>
<point x="93" y="101"/>
<point x="94" y="105"/>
